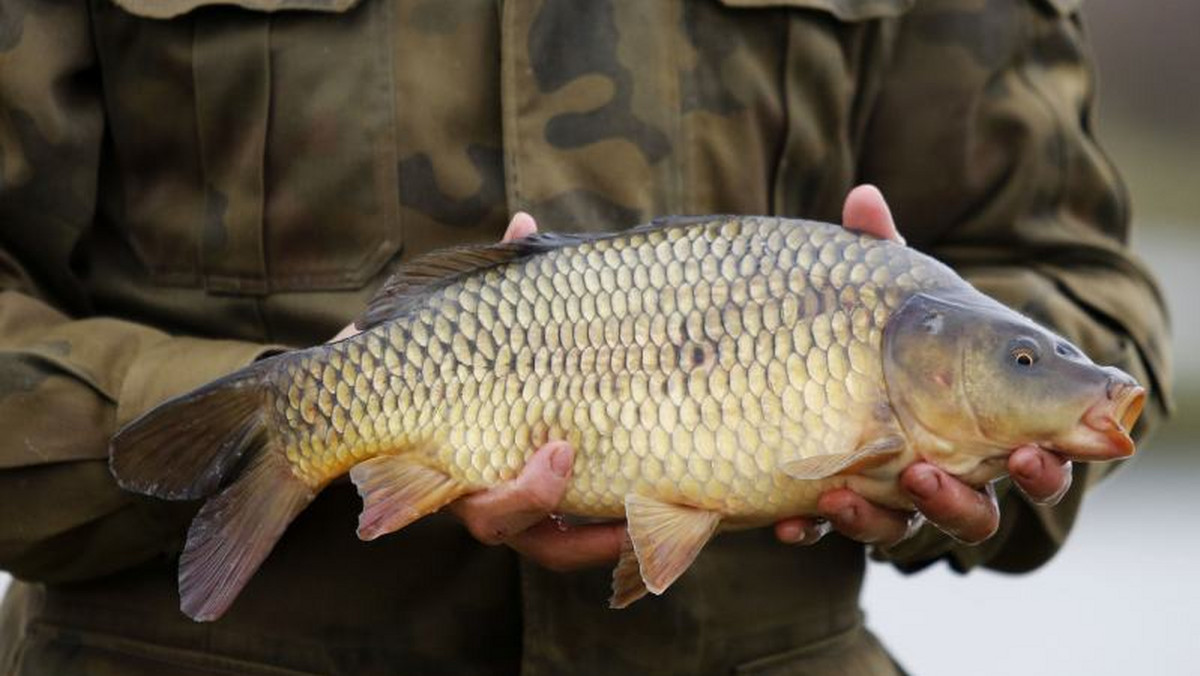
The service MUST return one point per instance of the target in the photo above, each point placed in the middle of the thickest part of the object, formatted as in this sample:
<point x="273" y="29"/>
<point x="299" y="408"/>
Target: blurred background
<point x="1123" y="596"/>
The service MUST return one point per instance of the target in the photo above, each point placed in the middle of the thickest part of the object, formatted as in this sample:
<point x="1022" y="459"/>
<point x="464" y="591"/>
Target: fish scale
<point x="710" y="373"/>
<point x="669" y="382"/>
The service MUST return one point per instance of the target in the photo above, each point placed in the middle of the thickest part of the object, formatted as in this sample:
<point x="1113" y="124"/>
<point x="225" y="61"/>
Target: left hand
<point x="966" y="514"/>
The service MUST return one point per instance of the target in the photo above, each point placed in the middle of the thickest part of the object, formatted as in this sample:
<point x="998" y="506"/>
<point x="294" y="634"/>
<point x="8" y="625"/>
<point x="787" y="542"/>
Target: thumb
<point x="866" y="211"/>
<point x="499" y="513"/>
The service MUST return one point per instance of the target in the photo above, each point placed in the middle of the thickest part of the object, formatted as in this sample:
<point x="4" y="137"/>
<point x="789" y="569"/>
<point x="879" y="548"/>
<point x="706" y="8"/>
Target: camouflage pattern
<point x="178" y="195"/>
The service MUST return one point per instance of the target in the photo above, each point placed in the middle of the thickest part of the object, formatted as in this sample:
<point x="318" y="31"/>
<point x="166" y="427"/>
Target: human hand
<point x="519" y="513"/>
<point x="965" y="513"/>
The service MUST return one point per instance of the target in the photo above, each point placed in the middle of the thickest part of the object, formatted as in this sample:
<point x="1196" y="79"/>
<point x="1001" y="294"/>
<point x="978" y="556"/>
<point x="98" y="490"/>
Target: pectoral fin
<point x="822" y="466"/>
<point x="396" y="491"/>
<point x="666" y="539"/>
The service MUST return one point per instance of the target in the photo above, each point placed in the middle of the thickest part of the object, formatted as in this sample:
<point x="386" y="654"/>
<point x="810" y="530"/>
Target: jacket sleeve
<point x="67" y="377"/>
<point x="981" y="139"/>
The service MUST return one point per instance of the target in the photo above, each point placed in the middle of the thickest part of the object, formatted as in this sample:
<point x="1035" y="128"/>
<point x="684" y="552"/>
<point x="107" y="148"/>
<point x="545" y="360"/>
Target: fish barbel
<point x="710" y="372"/>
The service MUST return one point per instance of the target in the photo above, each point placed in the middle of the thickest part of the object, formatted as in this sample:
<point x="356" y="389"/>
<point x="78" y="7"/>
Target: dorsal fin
<point x="663" y="222"/>
<point x="416" y="279"/>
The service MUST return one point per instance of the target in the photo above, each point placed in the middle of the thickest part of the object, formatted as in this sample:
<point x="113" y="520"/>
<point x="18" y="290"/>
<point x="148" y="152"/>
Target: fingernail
<point x="560" y="460"/>
<point x="924" y="483"/>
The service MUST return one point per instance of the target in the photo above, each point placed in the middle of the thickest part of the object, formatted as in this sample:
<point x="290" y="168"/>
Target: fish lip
<point x="1130" y="402"/>
<point x="1114" y="417"/>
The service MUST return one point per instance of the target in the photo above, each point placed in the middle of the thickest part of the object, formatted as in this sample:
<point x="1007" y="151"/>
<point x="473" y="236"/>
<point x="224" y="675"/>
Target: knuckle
<point x="846" y="521"/>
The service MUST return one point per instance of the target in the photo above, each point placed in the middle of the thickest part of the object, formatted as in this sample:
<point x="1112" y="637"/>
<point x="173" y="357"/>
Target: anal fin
<point x="824" y="465"/>
<point x="666" y="539"/>
<point x="234" y="531"/>
<point x="397" y="490"/>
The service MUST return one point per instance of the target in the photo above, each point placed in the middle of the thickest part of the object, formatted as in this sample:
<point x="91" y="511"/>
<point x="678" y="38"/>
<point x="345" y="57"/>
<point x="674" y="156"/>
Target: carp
<point x="711" y="372"/>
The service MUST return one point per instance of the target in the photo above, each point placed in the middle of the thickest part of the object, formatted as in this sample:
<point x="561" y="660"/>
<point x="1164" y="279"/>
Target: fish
<point x="712" y="373"/>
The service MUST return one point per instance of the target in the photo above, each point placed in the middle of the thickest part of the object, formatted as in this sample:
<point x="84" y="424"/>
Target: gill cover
<point x="922" y="367"/>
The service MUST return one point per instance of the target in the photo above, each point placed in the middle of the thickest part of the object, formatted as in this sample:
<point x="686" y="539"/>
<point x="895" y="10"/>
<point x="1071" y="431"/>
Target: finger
<point x="965" y="513"/>
<point x="865" y="210"/>
<point x="801" y="531"/>
<point x="571" y="548"/>
<point x="521" y="225"/>
<point x="858" y="519"/>
<point x="497" y="514"/>
<point x="1043" y="476"/>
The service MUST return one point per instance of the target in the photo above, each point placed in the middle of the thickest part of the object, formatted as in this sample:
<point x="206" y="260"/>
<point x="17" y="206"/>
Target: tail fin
<point x="235" y="531"/>
<point x="185" y="449"/>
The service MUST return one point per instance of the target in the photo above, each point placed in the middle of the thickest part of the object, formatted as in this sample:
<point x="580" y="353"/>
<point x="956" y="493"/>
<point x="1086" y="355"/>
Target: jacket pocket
<point x="832" y="64"/>
<point x="253" y="141"/>
<point x="51" y="649"/>
<point x="852" y="653"/>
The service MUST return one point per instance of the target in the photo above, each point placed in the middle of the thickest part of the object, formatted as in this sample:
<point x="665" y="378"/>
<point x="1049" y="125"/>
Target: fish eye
<point x="1024" y="352"/>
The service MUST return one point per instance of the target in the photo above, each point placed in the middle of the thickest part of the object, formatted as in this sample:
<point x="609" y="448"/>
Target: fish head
<point x="970" y="374"/>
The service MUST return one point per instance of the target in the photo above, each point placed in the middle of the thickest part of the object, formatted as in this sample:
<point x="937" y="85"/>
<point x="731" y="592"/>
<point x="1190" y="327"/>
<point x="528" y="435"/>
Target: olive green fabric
<point x="186" y="184"/>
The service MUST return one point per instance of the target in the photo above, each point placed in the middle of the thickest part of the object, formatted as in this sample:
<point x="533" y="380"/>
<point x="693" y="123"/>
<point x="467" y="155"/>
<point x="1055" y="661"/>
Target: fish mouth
<point x="1130" y="403"/>
<point x="1103" y="433"/>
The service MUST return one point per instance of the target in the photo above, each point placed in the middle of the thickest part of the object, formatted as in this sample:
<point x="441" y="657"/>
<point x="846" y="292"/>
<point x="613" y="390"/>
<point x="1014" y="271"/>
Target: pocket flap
<point x="166" y="9"/>
<point x="846" y="10"/>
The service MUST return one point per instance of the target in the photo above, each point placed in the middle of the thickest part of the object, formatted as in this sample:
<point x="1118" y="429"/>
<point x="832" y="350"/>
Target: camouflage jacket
<point x="187" y="184"/>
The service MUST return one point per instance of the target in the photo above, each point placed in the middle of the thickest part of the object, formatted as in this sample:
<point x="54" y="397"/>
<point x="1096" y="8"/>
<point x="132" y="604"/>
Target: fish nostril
<point x="1116" y="388"/>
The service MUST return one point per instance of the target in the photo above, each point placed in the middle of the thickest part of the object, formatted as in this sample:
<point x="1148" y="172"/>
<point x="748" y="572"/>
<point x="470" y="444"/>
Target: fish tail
<point x="189" y="447"/>
<point x="184" y="448"/>
<point x="234" y="531"/>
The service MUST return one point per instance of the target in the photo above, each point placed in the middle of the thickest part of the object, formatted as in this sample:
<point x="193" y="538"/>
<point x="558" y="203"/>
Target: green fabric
<point x="184" y="185"/>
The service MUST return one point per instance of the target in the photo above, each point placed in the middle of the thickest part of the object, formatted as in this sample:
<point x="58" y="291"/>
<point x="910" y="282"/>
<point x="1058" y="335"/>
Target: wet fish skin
<point x="710" y="372"/>
<point x="685" y="363"/>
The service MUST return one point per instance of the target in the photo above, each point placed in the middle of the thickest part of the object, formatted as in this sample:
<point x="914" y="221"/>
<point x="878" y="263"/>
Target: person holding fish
<point x="189" y="210"/>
